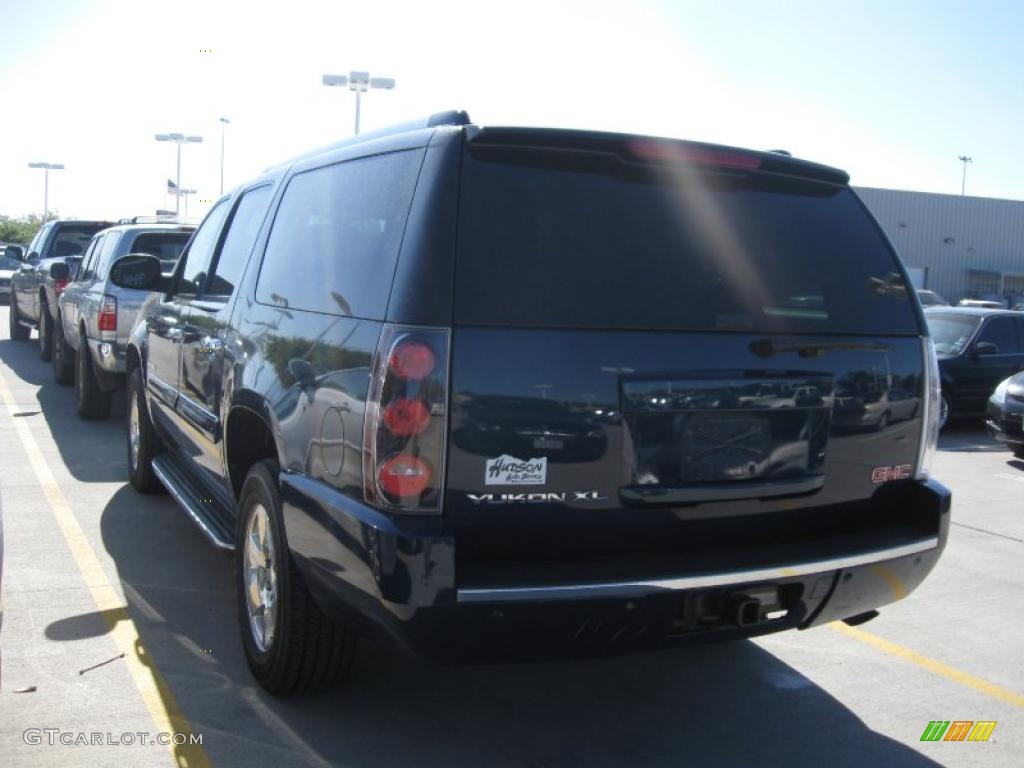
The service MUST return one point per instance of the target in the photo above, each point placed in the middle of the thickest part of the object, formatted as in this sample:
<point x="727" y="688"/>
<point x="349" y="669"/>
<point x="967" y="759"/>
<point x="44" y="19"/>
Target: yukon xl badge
<point x="535" y="498"/>
<point x="508" y="470"/>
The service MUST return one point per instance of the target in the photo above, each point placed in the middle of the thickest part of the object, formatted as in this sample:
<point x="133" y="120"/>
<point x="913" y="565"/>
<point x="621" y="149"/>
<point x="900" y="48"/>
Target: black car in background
<point x="510" y="392"/>
<point x="977" y="348"/>
<point x="53" y="255"/>
<point x="1004" y="418"/>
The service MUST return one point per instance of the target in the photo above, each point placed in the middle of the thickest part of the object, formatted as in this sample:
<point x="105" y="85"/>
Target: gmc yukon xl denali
<point x="493" y="393"/>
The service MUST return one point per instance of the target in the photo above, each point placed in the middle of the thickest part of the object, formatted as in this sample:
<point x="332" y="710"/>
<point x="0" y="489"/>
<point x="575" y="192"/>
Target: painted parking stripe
<point x="944" y="670"/>
<point x="153" y="688"/>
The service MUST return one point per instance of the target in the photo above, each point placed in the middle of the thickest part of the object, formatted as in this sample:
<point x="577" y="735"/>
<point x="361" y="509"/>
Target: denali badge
<point x="534" y="498"/>
<point x="507" y="470"/>
<point x="885" y="474"/>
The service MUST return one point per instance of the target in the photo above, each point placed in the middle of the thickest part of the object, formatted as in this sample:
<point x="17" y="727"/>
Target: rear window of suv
<point x="583" y="240"/>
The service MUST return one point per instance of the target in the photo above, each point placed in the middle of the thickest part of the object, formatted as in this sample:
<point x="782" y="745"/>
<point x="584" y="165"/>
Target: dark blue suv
<point x="490" y="393"/>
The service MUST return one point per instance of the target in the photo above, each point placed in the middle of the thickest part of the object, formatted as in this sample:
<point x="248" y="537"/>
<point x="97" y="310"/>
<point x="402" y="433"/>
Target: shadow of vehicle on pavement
<point x="77" y="440"/>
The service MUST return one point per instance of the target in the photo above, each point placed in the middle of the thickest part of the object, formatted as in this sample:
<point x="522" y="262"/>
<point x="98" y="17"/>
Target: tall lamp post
<point x="47" y="167"/>
<point x="179" y="139"/>
<point x="185" y="193"/>
<point x="360" y="82"/>
<point x="223" y="121"/>
<point x="963" y="179"/>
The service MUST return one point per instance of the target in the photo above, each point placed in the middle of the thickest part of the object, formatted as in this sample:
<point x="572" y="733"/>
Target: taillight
<point x="107" y="320"/>
<point x="930" y="412"/>
<point x="405" y="430"/>
<point x="60" y="285"/>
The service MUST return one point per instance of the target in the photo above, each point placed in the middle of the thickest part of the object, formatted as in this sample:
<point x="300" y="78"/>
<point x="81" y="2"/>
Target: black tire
<point x="63" y="356"/>
<point x="1018" y="451"/>
<point x="18" y="331"/>
<point x="45" y="333"/>
<point x="945" y="411"/>
<point x="306" y="649"/>
<point x="140" y="463"/>
<point x="93" y="402"/>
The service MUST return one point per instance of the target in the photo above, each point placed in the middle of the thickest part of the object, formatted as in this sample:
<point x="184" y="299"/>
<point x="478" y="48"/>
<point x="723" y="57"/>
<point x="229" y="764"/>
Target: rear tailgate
<point x="665" y="366"/>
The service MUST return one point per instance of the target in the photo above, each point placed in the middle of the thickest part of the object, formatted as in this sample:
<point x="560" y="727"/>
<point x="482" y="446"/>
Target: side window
<point x="37" y="242"/>
<point x="88" y="266"/>
<point x="238" y="243"/>
<point x="335" y="238"/>
<point x="105" y="253"/>
<point x="200" y="251"/>
<point x="1002" y="332"/>
<point x="80" y="272"/>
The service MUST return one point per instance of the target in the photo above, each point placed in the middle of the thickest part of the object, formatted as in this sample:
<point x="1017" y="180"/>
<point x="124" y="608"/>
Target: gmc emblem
<point x="885" y="474"/>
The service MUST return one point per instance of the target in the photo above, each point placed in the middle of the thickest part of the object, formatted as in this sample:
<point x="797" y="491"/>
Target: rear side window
<point x="166" y="246"/>
<point x="336" y="235"/>
<point x="575" y="240"/>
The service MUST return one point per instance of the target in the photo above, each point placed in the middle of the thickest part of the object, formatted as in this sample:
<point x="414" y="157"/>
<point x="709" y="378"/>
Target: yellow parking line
<point x="157" y="695"/>
<point x="920" y="660"/>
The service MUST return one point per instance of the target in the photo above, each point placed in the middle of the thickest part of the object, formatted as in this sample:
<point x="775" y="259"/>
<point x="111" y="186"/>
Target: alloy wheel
<point x="260" y="577"/>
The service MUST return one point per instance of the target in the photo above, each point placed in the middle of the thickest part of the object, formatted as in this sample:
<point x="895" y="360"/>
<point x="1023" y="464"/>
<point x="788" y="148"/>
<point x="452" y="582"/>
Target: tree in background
<point x="21" y="230"/>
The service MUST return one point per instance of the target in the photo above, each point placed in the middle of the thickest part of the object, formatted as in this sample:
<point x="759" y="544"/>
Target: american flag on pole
<point x="172" y="188"/>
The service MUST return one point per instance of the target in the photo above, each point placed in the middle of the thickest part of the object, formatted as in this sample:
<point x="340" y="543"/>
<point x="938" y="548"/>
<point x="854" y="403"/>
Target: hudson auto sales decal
<point x="508" y="470"/>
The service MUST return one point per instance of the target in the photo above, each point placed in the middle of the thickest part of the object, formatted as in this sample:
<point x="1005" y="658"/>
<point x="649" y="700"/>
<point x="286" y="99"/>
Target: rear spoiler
<point x="650" y="149"/>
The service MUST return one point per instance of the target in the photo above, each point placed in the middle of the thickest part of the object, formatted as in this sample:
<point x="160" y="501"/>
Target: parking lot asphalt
<point x="93" y="570"/>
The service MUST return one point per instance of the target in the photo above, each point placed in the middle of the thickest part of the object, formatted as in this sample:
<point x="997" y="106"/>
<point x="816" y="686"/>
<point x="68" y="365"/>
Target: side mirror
<point x="302" y="370"/>
<point x="984" y="348"/>
<point x="32" y="258"/>
<point x="59" y="270"/>
<point x="138" y="270"/>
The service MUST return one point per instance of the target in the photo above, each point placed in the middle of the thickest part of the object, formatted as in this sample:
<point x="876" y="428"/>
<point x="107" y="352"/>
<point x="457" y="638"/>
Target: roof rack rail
<point x="162" y="219"/>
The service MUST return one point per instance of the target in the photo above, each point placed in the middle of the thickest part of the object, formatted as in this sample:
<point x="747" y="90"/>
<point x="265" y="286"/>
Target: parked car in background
<point x="981" y="303"/>
<point x="13" y="251"/>
<point x="977" y="348"/>
<point x="36" y="286"/>
<point x="930" y="298"/>
<point x="1004" y="418"/>
<point x="395" y="447"/>
<point x="8" y="266"/>
<point x="95" y="317"/>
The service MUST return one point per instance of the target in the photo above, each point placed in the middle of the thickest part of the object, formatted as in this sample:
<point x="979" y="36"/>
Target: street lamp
<point x="185" y="193"/>
<point x="47" y="167"/>
<point x="360" y="82"/>
<point x="963" y="181"/>
<point x="223" y="121"/>
<point x="179" y="139"/>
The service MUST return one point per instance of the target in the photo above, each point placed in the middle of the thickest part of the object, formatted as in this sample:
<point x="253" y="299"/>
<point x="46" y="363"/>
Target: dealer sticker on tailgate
<point x="508" y="470"/>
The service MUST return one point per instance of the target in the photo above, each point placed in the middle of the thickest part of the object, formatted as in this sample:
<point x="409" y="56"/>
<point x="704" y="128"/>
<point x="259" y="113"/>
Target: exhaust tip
<point x="860" y="618"/>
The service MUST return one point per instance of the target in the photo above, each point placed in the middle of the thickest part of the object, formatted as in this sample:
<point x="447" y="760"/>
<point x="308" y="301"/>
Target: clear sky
<point x="891" y="91"/>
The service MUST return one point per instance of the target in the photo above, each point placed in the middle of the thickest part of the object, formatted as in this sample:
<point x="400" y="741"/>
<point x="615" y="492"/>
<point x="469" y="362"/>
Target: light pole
<point x="360" y="82"/>
<point x="223" y="121"/>
<point x="963" y="181"/>
<point x="179" y="139"/>
<point x="185" y="193"/>
<point x="47" y="167"/>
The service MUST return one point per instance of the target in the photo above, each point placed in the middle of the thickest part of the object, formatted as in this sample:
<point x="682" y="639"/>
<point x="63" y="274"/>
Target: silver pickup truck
<point x="95" y="317"/>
